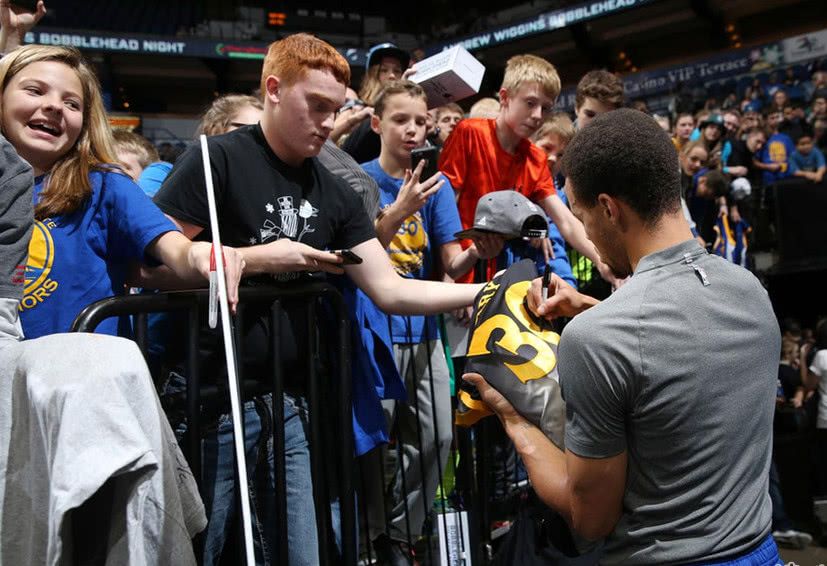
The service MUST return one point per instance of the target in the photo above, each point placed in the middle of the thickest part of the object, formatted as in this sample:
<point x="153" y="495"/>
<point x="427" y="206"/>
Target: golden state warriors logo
<point x="38" y="286"/>
<point x="407" y="249"/>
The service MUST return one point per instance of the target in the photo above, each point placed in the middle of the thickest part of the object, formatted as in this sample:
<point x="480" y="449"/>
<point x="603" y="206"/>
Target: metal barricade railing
<point x="192" y="304"/>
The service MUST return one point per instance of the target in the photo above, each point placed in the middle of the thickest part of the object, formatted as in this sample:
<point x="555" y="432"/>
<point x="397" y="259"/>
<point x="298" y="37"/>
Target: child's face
<point x="390" y="69"/>
<point x="755" y="142"/>
<point x="524" y="109"/>
<point x="246" y="115"/>
<point x="804" y="145"/>
<point x="750" y="121"/>
<point x="712" y="133"/>
<point x="401" y="126"/>
<point x="589" y="110"/>
<point x="684" y="127"/>
<point x="553" y="146"/>
<point x="43" y="112"/>
<point x="130" y="163"/>
<point x="446" y="123"/>
<point x="731" y="123"/>
<point x="774" y="118"/>
<point x="431" y="121"/>
<point x="692" y="161"/>
<point x="703" y="190"/>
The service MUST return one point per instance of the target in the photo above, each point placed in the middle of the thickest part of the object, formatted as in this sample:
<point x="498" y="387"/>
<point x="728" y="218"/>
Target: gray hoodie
<point x="16" y="221"/>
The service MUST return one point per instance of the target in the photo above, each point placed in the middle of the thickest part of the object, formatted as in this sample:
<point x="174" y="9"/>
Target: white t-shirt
<point x="819" y="368"/>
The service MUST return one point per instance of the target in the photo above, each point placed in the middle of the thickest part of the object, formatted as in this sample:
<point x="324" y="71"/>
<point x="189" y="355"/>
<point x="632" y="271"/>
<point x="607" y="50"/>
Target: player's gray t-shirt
<point x="681" y="375"/>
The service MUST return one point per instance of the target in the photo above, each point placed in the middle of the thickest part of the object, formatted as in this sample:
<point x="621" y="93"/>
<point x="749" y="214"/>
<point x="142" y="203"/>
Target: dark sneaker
<point x="792" y="538"/>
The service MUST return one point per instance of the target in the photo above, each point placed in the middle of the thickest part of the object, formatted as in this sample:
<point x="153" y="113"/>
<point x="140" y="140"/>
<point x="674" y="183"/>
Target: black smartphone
<point x="28" y="5"/>
<point x="348" y="257"/>
<point x="429" y="154"/>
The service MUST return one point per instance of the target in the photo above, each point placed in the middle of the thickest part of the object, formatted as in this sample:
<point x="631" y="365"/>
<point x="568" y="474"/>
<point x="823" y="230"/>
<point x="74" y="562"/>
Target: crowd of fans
<point x="90" y="192"/>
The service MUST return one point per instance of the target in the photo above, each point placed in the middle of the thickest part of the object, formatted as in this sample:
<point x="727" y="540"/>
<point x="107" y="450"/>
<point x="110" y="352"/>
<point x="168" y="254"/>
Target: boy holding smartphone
<point x="417" y="223"/>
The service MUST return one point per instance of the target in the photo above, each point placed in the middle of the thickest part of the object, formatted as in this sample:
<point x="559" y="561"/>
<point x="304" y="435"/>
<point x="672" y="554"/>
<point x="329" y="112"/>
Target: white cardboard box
<point x="449" y="76"/>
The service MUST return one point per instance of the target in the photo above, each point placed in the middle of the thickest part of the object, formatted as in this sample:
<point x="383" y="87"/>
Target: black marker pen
<point x="546" y="281"/>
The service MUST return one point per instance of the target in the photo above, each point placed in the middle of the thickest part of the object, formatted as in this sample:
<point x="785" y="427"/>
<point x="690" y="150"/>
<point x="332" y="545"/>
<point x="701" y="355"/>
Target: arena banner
<point x="731" y="63"/>
<point x="159" y="45"/>
<point x="542" y="23"/>
<point x="806" y="46"/>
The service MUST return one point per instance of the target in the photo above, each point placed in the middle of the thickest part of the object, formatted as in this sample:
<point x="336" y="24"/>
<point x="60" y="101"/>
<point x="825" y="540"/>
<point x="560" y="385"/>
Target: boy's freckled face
<point x="523" y="110"/>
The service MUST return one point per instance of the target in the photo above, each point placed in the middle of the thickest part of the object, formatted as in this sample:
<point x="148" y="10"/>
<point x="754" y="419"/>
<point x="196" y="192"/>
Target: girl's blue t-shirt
<point x="412" y="248"/>
<point x="83" y="257"/>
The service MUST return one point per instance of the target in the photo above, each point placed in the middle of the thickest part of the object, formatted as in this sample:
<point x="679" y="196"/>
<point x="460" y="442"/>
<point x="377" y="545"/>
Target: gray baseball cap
<point x="509" y="214"/>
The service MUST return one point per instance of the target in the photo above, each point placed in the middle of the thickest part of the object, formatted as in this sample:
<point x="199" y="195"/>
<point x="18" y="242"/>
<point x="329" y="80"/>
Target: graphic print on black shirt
<point x="261" y="199"/>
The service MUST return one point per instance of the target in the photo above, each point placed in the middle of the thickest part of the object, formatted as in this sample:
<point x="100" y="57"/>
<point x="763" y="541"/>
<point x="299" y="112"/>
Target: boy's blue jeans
<point x="218" y="481"/>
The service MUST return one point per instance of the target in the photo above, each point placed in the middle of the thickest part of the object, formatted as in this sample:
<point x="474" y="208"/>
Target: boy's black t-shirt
<point x="742" y="156"/>
<point x="363" y="144"/>
<point x="261" y="199"/>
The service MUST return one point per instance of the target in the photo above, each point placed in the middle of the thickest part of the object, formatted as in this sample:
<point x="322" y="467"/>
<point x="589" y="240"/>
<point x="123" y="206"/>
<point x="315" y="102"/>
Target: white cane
<point x="229" y="354"/>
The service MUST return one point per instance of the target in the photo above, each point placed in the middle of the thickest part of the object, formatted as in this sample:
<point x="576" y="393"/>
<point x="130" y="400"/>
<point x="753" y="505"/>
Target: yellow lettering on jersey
<point x="38" y="295"/>
<point x="513" y="337"/>
<point x="488" y="293"/>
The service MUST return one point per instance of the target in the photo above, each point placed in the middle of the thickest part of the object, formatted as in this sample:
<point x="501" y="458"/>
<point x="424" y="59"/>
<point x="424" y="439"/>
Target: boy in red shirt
<point x="485" y="155"/>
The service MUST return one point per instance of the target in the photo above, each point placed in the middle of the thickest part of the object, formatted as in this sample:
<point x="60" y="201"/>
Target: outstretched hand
<point x="200" y="260"/>
<point x="414" y="194"/>
<point x="487" y="246"/>
<point x="409" y="72"/>
<point x="544" y="245"/>
<point x="16" y="22"/>
<point x="287" y="255"/>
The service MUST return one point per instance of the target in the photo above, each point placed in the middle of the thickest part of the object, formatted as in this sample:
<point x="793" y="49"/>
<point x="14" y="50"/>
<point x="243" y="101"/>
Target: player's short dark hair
<point x="627" y="155"/>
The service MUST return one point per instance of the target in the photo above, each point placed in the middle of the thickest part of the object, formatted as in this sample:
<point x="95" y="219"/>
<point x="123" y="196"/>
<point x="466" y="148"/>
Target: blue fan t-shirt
<point x="813" y="161"/>
<point x="412" y="248"/>
<point x="778" y="149"/>
<point x="83" y="257"/>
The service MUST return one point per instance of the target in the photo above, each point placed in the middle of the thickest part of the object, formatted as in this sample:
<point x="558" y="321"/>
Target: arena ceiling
<point x="661" y="32"/>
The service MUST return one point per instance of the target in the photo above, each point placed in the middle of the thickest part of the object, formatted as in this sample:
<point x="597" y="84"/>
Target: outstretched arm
<point x="398" y="295"/>
<point x="16" y="22"/>
<point x="190" y="263"/>
<point x="457" y="262"/>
